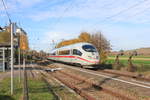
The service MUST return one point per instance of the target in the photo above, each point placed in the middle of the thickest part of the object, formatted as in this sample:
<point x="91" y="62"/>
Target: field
<point x="136" y="59"/>
<point x="142" y="62"/>
<point x="133" y="56"/>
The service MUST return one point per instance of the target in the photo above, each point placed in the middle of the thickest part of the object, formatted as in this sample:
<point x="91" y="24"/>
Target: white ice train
<point x="83" y="54"/>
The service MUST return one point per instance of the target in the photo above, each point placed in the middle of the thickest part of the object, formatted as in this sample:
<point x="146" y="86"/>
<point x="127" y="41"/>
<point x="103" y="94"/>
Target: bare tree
<point x="102" y="44"/>
<point x="100" y="41"/>
<point x="135" y="53"/>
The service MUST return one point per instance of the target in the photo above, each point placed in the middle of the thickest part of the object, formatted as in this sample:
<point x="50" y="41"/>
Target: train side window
<point x="77" y="52"/>
<point x="64" y="52"/>
<point x="54" y="53"/>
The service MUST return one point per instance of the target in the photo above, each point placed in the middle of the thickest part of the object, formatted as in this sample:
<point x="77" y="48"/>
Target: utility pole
<point x="25" y="84"/>
<point x="100" y="41"/>
<point x="19" y="58"/>
<point x="53" y="43"/>
<point x="12" y="58"/>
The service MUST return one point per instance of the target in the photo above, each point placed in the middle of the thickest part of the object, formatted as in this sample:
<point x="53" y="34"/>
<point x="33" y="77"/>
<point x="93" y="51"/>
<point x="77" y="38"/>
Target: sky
<point x="125" y="23"/>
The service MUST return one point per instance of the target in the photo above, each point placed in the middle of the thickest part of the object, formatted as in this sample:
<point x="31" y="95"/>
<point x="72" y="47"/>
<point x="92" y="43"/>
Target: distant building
<point x="20" y="37"/>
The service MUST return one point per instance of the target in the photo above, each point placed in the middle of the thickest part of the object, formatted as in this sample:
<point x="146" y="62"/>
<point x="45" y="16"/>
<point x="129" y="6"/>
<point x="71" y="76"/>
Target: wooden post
<point x="3" y="59"/>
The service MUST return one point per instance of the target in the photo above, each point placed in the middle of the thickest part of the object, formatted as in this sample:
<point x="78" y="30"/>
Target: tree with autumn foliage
<point x="24" y="42"/>
<point x="68" y="42"/>
<point x="4" y="37"/>
<point x="83" y="37"/>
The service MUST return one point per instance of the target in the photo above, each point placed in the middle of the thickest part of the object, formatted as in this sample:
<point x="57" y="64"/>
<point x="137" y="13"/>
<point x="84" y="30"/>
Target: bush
<point x="118" y="66"/>
<point x="143" y="68"/>
<point x="131" y="68"/>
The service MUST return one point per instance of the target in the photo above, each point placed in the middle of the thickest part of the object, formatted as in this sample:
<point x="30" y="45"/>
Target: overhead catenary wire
<point x="70" y="7"/>
<point x="65" y="10"/>
<point x="142" y="11"/>
<point x="120" y="12"/>
<point x="5" y="8"/>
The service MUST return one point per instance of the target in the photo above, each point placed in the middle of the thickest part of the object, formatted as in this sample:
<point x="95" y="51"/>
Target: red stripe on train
<point x="75" y="57"/>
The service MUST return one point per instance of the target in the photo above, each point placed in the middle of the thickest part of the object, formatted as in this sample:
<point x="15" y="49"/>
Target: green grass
<point x="142" y="66"/>
<point x="64" y="93"/>
<point x="5" y="90"/>
<point x="111" y="61"/>
<point x="38" y="90"/>
<point x="125" y="56"/>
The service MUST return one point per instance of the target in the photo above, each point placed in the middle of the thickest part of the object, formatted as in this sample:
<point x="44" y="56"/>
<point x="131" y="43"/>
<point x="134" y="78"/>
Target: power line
<point x="108" y="4"/>
<point x="122" y="11"/>
<point x="147" y="8"/>
<point x="66" y="9"/>
<point x="4" y="5"/>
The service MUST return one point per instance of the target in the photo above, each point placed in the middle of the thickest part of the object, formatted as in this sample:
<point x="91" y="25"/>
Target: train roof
<point x="71" y="46"/>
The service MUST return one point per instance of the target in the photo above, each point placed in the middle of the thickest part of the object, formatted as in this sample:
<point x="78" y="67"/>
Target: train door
<point x="77" y="54"/>
<point x="71" y="54"/>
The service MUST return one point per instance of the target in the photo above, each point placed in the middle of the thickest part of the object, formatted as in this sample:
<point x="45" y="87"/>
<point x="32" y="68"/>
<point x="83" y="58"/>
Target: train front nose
<point x="95" y="57"/>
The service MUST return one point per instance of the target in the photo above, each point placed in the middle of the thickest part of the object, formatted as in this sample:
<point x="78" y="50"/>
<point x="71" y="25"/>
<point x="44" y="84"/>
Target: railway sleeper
<point x="95" y="85"/>
<point x="76" y="89"/>
<point x="138" y="77"/>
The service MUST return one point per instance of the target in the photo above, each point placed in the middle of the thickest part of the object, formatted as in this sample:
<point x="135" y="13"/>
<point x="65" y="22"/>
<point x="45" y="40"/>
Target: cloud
<point x="56" y="36"/>
<point x="17" y="5"/>
<point x="77" y="15"/>
<point x="95" y="9"/>
<point x="46" y="41"/>
<point x="39" y="10"/>
<point x="28" y="3"/>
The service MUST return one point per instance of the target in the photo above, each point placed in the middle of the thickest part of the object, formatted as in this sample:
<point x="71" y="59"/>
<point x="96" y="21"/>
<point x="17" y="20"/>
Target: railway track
<point x="49" y="78"/>
<point x="71" y="84"/>
<point x="85" y="88"/>
<point x="117" y="91"/>
<point x="137" y="77"/>
<point x="101" y="88"/>
<point x="97" y="73"/>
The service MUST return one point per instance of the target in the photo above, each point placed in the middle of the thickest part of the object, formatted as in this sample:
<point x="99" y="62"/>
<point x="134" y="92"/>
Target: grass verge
<point x="5" y="90"/>
<point x="38" y="90"/>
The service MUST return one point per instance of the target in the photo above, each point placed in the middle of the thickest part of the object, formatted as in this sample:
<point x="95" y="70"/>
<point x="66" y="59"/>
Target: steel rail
<point x="105" y="76"/>
<point x="113" y="93"/>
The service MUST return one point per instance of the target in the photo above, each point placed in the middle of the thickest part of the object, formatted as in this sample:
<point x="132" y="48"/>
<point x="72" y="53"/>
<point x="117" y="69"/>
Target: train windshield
<point x="89" y="48"/>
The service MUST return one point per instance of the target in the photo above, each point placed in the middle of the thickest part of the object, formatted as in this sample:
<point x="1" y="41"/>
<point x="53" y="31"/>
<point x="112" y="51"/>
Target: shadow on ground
<point x="46" y="63"/>
<point x="107" y="79"/>
<point x="6" y="97"/>
<point x="28" y="68"/>
<point x="38" y="90"/>
<point x="101" y="67"/>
